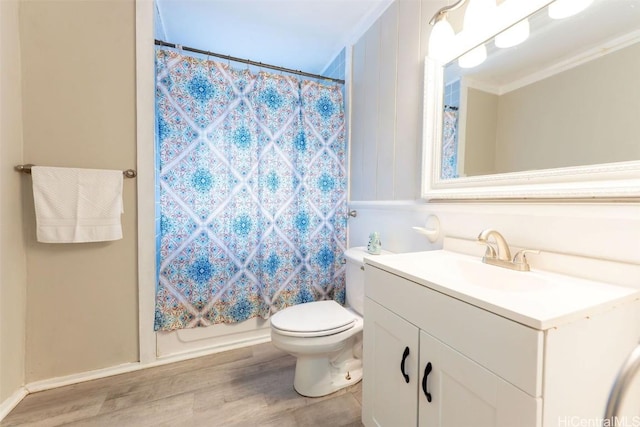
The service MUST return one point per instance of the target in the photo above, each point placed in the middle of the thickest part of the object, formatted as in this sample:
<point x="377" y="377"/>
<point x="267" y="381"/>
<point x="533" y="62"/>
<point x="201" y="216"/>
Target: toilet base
<point x="319" y="376"/>
<point x="324" y="364"/>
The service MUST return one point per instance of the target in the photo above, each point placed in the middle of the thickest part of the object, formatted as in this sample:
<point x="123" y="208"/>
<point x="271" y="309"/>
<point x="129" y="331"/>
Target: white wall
<point x="386" y="105"/>
<point x="598" y="230"/>
<point x="603" y="230"/>
<point x="12" y="248"/>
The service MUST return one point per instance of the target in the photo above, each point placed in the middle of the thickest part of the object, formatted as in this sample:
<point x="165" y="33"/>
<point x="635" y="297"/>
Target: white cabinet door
<point x="390" y="371"/>
<point x="465" y="394"/>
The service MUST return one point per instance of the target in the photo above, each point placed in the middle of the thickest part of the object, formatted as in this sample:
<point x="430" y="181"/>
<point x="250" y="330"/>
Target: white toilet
<point x="325" y="337"/>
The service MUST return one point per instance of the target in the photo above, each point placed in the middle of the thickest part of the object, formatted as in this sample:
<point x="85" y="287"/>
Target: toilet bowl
<point x="325" y="337"/>
<point x="326" y="359"/>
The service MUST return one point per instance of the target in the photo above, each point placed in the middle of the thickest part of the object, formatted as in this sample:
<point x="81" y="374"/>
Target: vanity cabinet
<point x="432" y="359"/>
<point x="463" y="393"/>
<point x="451" y="389"/>
<point x="391" y="348"/>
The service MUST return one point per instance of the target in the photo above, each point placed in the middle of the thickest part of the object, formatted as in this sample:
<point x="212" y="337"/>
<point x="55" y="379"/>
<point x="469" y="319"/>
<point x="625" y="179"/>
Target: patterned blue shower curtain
<point x="252" y="192"/>
<point x="449" y="161"/>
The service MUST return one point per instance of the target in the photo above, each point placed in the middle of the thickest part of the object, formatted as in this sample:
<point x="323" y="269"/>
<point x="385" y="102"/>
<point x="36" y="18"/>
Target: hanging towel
<point x="77" y="205"/>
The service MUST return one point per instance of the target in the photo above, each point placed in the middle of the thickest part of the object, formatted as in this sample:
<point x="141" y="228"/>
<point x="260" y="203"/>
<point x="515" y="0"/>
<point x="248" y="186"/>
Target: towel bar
<point x="129" y="173"/>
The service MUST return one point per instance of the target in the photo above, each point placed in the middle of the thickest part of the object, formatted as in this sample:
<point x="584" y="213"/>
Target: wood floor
<point x="246" y="387"/>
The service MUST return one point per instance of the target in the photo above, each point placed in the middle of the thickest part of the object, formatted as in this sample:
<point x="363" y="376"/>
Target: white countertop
<point x="536" y="298"/>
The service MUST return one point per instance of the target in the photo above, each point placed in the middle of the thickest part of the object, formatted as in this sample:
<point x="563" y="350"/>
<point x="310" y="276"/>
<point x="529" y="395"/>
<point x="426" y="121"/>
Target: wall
<point x="337" y="67"/>
<point x="514" y="142"/>
<point x="12" y="248"/>
<point x="480" y="130"/>
<point x="79" y="93"/>
<point x="602" y="230"/>
<point x="574" y="113"/>
<point x="159" y="31"/>
<point x="386" y="105"/>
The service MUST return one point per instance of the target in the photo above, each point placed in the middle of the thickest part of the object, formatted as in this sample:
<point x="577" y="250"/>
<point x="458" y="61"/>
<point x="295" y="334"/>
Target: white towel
<point x="77" y="205"/>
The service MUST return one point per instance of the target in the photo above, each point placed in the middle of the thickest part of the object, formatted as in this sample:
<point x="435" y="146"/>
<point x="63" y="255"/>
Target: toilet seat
<point x="313" y="319"/>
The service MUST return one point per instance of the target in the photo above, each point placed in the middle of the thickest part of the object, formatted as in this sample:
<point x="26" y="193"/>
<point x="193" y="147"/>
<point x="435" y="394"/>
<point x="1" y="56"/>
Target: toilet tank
<point x="355" y="277"/>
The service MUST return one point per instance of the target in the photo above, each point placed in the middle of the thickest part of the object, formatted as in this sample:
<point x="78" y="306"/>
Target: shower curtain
<point x="251" y="192"/>
<point x="449" y="160"/>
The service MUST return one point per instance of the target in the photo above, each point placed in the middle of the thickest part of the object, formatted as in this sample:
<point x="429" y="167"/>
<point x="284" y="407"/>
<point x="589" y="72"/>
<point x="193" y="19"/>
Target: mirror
<point x="555" y="116"/>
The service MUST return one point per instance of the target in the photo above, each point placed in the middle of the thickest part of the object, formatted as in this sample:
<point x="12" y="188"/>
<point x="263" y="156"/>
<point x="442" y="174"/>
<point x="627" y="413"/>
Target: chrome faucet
<point x="502" y="256"/>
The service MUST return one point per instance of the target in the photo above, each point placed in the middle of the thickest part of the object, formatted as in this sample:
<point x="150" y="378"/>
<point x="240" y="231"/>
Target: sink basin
<point x="474" y="272"/>
<point x="537" y="298"/>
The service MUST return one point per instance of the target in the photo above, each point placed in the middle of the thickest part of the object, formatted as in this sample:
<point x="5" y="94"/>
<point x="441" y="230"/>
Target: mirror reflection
<point x="569" y="95"/>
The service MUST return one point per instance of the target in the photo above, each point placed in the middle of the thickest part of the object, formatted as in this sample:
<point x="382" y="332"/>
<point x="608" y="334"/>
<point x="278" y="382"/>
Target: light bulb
<point x="440" y="39"/>
<point x="474" y="57"/>
<point x="561" y="9"/>
<point x="514" y="35"/>
<point x="479" y="13"/>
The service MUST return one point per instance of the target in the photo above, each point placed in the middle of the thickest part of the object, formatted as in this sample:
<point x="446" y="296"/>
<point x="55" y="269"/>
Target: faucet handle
<point x="491" y="251"/>
<point x="521" y="256"/>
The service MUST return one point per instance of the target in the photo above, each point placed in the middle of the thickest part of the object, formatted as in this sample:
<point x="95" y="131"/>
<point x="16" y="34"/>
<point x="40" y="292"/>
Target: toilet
<point x="325" y="337"/>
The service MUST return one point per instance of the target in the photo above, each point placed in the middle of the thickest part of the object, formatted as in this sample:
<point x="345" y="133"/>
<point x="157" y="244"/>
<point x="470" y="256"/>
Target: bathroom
<point x="52" y="298"/>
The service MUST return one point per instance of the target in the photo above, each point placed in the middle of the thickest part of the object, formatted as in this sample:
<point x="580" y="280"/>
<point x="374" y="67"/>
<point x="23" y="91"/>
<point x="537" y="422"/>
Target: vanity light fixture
<point x="478" y="14"/>
<point x="514" y="35"/>
<point x="561" y="9"/>
<point x="442" y="13"/>
<point x="474" y="57"/>
<point x="442" y="33"/>
<point x="440" y="39"/>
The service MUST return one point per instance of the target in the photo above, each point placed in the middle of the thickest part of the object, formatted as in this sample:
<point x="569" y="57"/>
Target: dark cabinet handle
<point x="427" y="371"/>
<point x="404" y="357"/>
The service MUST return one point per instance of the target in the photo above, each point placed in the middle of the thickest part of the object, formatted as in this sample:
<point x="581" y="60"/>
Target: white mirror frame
<point x="619" y="180"/>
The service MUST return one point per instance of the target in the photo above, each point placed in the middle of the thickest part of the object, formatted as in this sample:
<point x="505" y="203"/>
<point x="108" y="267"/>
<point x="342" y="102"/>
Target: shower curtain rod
<point x="247" y="61"/>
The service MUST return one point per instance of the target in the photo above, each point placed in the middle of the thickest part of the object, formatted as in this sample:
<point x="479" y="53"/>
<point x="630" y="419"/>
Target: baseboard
<point x="135" y="366"/>
<point x="12" y="401"/>
<point x="82" y="377"/>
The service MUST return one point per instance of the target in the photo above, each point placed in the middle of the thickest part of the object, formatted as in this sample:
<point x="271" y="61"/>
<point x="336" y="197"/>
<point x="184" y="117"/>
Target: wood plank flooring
<point x="251" y="386"/>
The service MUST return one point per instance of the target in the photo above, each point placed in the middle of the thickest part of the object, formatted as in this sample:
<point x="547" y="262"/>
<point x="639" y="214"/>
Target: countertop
<point x="538" y="299"/>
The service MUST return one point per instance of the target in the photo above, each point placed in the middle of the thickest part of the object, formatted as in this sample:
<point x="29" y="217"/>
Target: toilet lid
<point x="318" y="318"/>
